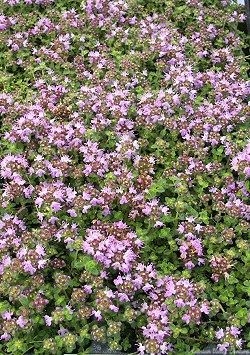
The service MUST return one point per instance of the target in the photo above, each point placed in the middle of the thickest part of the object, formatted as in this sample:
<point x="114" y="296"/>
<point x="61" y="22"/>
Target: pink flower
<point x="204" y="308"/>
<point x="165" y="347"/>
<point x="118" y="281"/>
<point x="147" y="210"/>
<point x="41" y="263"/>
<point x="48" y="320"/>
<point x="39" y="201"/>
<point x="179" y="302"/>
<point x="141" y="348"/>
<point x="181" y="229"/>
<point x="5" y="336"/>
<point x="40" y="216"/>
<point x="165" y="210"/>
<point x="238" y="343"/>
<point x="123" y="297"/>
<point x="21" y="321"/>
<point x="147" y="287"/>
<point x="40" y="250"/>
<point x="198" y="228"/>
<point x="62" y="331"/>
<point x="97" y="315"/>
<point x="72" y="212"/>
<point x="234" y="330"/>
<point x="7" y="315"/>
<point x="28" y="267"/>
<point x="190" y="219"/>
<point x="223" y="347"/>
<point x="189" y="265"/>
<point x="219" y="334"/>
<point x="158" y="224"/>
<point x="114" y="308"/>
<point x="87" y="288"/>
<point x="186" y="318"/>
<point x="156" y="313"/>
<point x="56" y="206"/>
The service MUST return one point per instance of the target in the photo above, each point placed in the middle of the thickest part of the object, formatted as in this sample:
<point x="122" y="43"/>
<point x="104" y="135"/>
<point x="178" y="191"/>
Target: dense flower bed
<point x="125" y="174"/>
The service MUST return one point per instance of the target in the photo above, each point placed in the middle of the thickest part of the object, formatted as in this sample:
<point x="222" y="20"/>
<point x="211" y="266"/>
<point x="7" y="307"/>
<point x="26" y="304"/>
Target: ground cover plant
<point x="125" y="166"/>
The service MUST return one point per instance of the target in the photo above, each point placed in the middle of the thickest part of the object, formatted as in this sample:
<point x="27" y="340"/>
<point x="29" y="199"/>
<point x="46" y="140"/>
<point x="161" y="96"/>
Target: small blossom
<point x="21" y="321"/>
<point x="48" y="320"/>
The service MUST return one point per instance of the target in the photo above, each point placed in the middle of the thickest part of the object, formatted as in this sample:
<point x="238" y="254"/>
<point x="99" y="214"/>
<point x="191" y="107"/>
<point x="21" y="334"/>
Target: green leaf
<point x="204" y="217"/>
<point x="61" y="300"/>
<point x="223" y="298"/>
<point x="126" y="344"/>
<point x="202" y="182"/>
<point x="4" y="306"/>
<point x="92" y="267"/>
<point x="165" y="232"/>
<point x="24" y="301"/>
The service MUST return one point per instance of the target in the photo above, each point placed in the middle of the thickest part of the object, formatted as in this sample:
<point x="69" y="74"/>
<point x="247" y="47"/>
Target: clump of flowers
<point x="220" y="266"/>
<point x="241" y="162"/>
<point x="191" y="249"/>
<point x="124" y="203"/>
<point x="229" y="339"/>
<point x="113" y="245"/>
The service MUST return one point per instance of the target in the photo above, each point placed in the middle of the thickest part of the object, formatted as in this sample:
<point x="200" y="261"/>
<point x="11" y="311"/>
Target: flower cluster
<point x="113" y="245"/>
<point x="241" y="162"/>
<point x="229" y="338"/>
<point x="124" y="203"/>
<point x="220" y="266"/>
<point x="191" y="249"/>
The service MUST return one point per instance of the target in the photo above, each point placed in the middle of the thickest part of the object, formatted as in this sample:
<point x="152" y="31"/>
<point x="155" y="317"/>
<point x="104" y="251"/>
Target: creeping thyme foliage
<point x="125" y="166"/>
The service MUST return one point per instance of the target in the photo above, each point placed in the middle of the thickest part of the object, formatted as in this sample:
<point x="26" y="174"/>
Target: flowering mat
<point x="125" y="166"/>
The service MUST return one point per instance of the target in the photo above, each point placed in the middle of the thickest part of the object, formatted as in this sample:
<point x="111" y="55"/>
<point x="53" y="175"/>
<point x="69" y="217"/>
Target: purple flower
<point x="123" y="297"/>
<point x="56" y="206"/>
<point x="21" y="321"/>
<point x="87" y="288"/>
<point x="204" y="308"/>
<point x="28" y="267"/>
<point x="186" y="318"/>
<point x="5" y="336"/>
<point x="114" y="308"/>
<point x="141" y="348"/>
<point x="48" y="320"/>
<point x="7" y="315"/>
<point x="41" y="263"/>
<point x="198" y="228"/>
<point x="62" y="331"/>
<point x="223" y="347"/>
<point x="181" y="229"/>
<point x="40" y="250"/>
<point x="72" y="212"/>
<point x="189" y="265"/>
<point x="97" y="315"/>
<point x="219" y="334"/>
<point x="39" y="201"/>
<point x="234" y="330"/>
<point x="158" y="224"/>
<point x="238" y="343"/>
